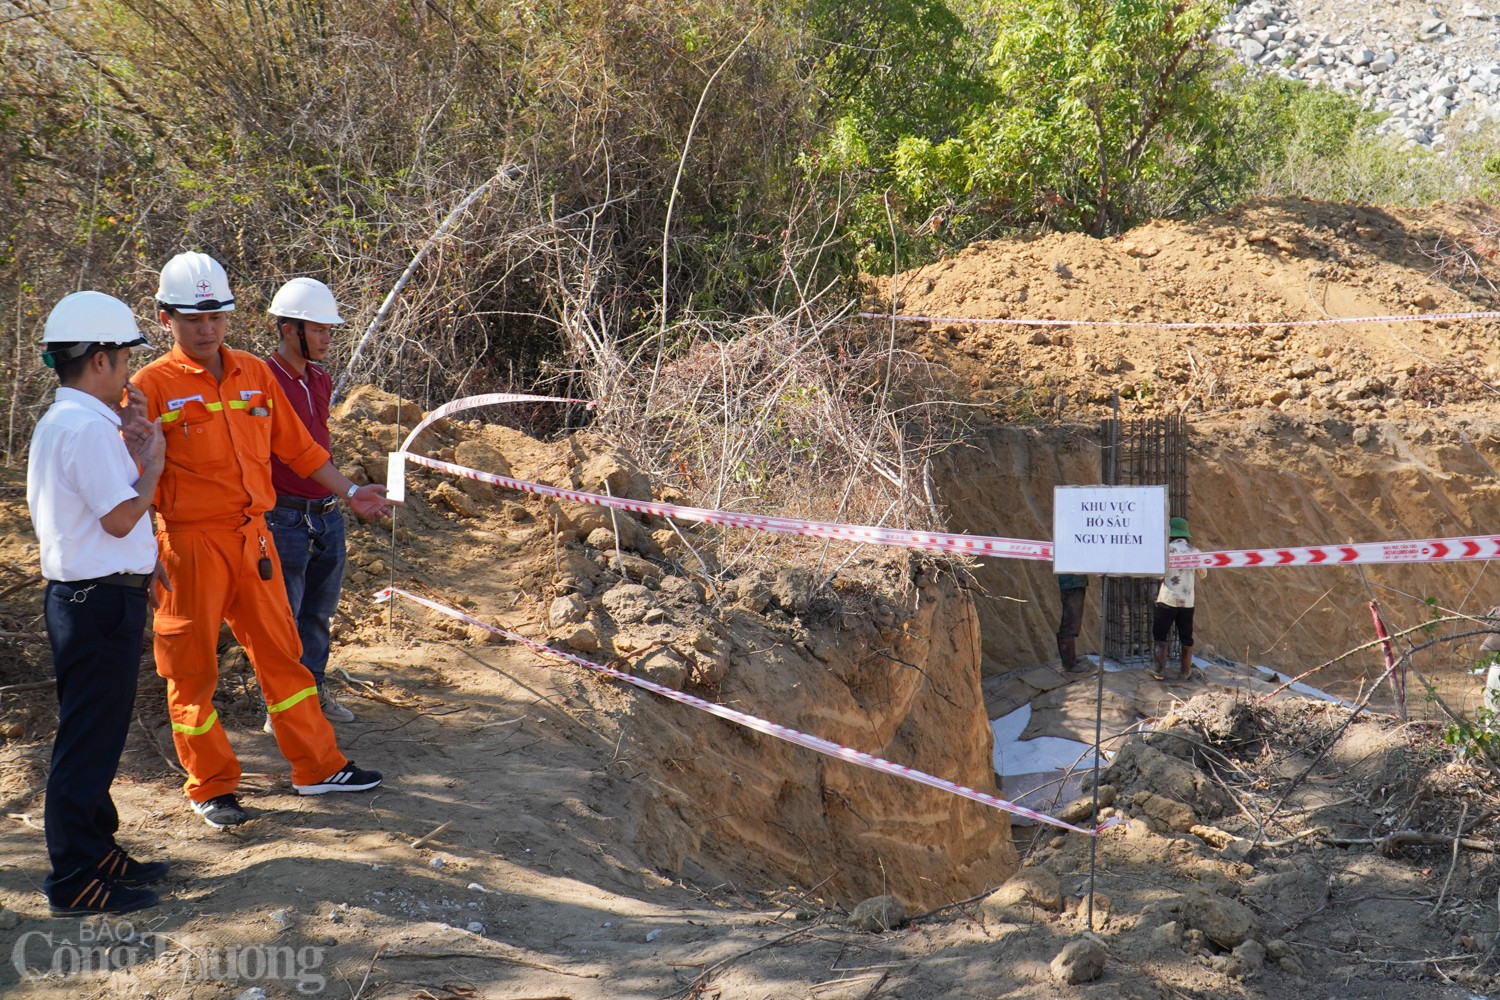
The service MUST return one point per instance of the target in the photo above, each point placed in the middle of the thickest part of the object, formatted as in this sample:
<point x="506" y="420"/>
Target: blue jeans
<point x="311" y="548"/>
<point x="96" y="635"/>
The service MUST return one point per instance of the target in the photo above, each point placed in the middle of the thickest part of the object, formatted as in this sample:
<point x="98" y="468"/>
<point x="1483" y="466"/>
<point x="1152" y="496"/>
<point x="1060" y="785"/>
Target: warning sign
<point x="1110" y="530"/>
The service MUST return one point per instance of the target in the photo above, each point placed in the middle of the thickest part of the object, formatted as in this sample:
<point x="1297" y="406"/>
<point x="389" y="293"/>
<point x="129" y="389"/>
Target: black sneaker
<point x="221" y="811"/>
<point x="121" y="869"/>
<point x="100" y="895"/>
<point x="346" y="779"/>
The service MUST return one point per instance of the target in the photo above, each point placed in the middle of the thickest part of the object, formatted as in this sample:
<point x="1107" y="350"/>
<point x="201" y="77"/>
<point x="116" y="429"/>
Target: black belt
<point x="327" y="505"/>
<point x="137" y="581"/>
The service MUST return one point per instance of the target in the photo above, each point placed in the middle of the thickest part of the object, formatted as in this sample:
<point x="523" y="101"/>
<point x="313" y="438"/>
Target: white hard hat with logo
<point x="306" y="299"/>
<point x="194" y="281"/>
<point x="84" y="319"/>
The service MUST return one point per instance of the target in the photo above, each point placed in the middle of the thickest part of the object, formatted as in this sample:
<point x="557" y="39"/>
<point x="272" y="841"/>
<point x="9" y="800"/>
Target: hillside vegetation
<point x="648" y="174"/>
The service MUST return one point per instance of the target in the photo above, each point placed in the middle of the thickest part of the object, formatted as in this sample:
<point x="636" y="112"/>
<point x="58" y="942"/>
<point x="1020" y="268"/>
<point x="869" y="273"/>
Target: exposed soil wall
<point x="1267" y="480"/>
<point x="735" y="803"/>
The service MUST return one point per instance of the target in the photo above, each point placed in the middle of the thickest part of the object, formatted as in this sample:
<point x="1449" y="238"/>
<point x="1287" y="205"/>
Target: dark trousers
<point x="311" y="547"/>
<point x="96" y="634"/>
<point x="1167" y="616"/>
<point x="1072" y="613"/>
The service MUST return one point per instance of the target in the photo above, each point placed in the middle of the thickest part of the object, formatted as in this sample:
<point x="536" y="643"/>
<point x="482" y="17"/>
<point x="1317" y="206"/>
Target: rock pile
<point x="1422" y="68"/>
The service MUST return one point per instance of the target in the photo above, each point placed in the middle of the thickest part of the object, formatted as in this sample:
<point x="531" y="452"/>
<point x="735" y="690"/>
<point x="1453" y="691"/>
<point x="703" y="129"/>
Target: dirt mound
<point x="1279" y="261"/>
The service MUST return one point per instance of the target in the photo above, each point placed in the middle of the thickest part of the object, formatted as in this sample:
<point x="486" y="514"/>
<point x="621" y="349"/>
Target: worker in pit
<point x="1072" y="588"/>
<point x="1174" y="603"/>
<point x="223" y="416"/>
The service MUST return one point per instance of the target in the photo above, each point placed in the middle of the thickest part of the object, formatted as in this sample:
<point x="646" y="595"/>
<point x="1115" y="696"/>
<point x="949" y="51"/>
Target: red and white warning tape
<point x="1425" y="550"/>
<point x="1366" y="553"/>
<point x="487" y="399"/>
<point x="933" y="541"/>
<point x="1477" y="547"/>
<point x="816" y="743"/>
<point x="1185" y="325"/>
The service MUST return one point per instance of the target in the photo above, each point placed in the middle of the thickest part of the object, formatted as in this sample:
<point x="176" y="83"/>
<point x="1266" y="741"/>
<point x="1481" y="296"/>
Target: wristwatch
<point x="349" y="493"/>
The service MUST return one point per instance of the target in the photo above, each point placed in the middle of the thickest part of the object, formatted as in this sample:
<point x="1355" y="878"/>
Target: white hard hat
<point x="194" y="281"/>
<point x="83" y="319"/>
<point x="305" y="299"/>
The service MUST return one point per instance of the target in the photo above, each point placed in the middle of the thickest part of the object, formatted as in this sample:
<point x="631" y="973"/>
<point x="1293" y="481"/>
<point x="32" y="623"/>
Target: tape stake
<point x="815" y="743"/>
<point x="395" y="476"/>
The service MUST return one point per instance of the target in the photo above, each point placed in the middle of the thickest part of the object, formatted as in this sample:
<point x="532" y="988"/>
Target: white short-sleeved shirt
<point x="1177" y="586"/>
<point x="80" y="470"/>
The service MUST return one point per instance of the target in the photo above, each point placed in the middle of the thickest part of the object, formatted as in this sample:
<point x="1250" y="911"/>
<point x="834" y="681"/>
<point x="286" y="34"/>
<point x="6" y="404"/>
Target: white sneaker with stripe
<point x="346" y="779"/>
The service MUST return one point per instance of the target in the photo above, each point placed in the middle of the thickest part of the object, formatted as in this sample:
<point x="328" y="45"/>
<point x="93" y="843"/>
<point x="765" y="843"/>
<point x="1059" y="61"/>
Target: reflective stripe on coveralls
<point x="186" y="730"/>
<point x="234" y="404"/>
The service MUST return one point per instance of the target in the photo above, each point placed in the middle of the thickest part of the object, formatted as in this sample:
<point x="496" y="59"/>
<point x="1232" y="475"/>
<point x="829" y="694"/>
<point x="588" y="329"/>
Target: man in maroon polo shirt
<point x="306" y="521"/>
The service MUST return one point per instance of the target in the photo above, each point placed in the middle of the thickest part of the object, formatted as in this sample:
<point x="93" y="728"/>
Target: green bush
<point x="1320" y="144"/>
<point x="1092" y="96"/>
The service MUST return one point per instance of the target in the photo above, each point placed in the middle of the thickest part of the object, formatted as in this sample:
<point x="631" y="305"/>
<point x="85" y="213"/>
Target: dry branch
<point x="1402" y="838"/>
<point x="29" y="685"/>
<point x="424" y="839"/>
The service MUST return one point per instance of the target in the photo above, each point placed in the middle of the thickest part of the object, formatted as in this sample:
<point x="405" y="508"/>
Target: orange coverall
<point x="211" y="501"/>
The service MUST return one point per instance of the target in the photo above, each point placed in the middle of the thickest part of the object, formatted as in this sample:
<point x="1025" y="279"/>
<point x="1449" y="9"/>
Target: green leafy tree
<point x="880" y="72"/>
<point x="898" y="67"/>
<point x="1102" y="106"/>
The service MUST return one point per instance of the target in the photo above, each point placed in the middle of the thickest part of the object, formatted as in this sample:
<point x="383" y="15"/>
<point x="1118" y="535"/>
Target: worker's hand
<point x="135" y="429"/>
<point x="133" y="400"/>
<point x="160" y="576"/>
<point x="145" y="442"/>
<point x="151" y="447"/>
<point x="371" y="502"/>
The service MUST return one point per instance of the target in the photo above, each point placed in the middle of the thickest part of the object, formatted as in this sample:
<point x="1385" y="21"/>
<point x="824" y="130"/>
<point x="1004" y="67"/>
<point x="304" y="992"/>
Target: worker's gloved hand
<point x="370" y="501"/>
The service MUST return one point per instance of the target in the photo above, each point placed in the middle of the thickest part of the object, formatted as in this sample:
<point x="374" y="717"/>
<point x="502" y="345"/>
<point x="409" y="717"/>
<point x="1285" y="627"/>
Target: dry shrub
<point x="787" y="415"/>
<point x="331" y="137"/>
<point x="1456" y="381"/>
<point x="1467" y="258"/>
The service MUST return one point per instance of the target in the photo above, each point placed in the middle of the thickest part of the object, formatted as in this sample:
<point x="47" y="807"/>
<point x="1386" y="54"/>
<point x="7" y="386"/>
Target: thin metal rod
<point x="1111" y="478"/>
<point x="1098" y="752"/>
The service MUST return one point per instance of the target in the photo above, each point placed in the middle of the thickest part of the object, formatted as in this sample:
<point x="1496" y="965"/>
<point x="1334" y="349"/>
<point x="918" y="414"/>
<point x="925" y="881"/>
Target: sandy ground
<point x="1262" y="849"/>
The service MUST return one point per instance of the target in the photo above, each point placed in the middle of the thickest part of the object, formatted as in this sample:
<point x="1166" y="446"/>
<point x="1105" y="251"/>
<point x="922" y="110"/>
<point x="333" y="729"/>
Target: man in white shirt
<point x="89" y="493"/>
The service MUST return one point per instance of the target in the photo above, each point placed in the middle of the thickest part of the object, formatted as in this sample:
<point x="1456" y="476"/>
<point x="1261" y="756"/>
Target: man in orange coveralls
<point x="223" y="415"/>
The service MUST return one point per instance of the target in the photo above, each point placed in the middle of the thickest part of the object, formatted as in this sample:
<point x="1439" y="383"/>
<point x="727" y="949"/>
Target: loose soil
<point x="603" y="842"/>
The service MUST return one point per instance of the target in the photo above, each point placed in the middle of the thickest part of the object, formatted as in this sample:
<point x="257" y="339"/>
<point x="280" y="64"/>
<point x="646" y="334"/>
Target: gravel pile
<point x="1428" y="69"/>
